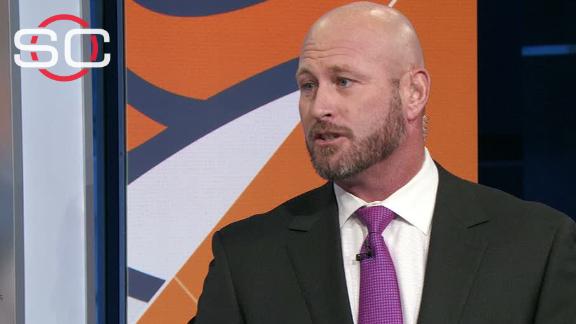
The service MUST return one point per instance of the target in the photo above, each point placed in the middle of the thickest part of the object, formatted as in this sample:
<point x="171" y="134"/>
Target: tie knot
<point x="376" y="218"/>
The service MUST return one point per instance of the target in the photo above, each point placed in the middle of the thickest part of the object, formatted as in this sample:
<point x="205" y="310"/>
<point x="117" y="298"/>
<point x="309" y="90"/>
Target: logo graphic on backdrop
<point x="213" y="130"/>
<point x="32" y="46"/>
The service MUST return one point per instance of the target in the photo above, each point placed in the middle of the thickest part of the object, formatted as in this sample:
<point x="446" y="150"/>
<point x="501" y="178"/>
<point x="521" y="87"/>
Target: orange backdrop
<point x="169" y="52"/>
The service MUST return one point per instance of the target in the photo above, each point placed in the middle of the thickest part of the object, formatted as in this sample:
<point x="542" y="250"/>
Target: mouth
<point x="327" y="134"/>
<point x="327" y="138"/>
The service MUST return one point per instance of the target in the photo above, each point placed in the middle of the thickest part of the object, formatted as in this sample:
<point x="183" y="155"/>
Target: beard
<point x="362" y="152"/>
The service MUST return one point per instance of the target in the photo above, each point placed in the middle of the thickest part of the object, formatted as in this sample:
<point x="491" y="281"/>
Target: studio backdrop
<point x="213" y="132"/>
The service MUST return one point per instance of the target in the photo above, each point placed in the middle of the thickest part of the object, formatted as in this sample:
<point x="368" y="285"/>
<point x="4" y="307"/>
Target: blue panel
<point x="108" y="88"/>
<point x="548" y="50"/>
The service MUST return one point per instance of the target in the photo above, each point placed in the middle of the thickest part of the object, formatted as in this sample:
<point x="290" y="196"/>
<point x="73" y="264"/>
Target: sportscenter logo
<point x="33" y="47"/>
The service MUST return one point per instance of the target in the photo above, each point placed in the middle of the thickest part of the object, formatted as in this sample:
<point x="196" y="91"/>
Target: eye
<point x="307" y="86"/>
<point x="343" y="82"/>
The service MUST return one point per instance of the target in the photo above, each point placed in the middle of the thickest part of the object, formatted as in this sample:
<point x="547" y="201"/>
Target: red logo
<point x="43" y="66"/>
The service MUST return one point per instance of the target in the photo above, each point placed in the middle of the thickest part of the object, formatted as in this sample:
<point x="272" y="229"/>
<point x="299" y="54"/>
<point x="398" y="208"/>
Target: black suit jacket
<point x="492" y="259"/>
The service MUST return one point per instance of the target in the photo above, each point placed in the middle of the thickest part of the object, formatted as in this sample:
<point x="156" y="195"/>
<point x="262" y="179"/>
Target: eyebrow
<point x="341" y="68"/>
<point x="301" y="71"/>
<point x="332" y="69"/>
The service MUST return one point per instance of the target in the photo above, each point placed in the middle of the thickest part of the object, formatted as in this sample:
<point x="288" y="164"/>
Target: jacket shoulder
<point x="272" y="223"/>
<point x="503" y="206"/>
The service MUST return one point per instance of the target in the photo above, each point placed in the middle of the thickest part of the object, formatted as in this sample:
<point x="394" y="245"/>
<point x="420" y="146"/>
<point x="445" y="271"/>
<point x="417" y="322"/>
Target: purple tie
<point x="379" y="293"/>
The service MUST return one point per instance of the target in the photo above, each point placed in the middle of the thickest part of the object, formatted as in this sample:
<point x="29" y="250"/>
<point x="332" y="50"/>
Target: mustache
<point x="324" y="127"/>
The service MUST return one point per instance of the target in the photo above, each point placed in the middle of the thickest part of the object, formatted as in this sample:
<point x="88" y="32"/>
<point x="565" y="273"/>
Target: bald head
<point x="363" y="89"/>
<point x="392" y="37"/>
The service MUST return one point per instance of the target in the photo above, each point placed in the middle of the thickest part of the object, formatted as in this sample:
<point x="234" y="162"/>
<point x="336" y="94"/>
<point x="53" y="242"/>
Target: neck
<point x="384" y="178"/>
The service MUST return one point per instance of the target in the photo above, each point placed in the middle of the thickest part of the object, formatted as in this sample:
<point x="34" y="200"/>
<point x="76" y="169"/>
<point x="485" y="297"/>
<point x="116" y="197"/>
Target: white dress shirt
<point x="407" y="236"/>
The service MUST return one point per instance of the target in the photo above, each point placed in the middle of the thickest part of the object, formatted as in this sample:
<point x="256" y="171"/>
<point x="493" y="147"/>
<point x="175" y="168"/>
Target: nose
<point x="322" y="105"/>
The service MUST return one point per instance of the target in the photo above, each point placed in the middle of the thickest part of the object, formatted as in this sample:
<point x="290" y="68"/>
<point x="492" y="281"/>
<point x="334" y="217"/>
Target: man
<point x="392" y="237"/>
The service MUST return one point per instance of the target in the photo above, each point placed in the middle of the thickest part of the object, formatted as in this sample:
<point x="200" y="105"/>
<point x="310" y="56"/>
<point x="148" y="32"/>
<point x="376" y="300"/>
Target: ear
<point x="415" y="91"/>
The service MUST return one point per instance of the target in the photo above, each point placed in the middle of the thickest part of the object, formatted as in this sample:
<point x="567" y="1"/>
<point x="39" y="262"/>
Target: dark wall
<point x="527" y="106"/>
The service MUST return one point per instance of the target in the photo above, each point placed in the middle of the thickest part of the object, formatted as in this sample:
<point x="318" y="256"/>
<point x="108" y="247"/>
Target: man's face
<point x="350" y="105"/>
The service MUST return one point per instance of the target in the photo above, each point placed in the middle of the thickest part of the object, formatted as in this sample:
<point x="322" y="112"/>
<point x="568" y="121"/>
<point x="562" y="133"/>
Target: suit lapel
<point x="455" y="253"/>
<point x="315" y="251"/>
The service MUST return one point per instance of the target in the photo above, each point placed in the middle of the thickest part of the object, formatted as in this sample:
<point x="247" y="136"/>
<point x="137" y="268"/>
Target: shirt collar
<point x="414" y="202"/>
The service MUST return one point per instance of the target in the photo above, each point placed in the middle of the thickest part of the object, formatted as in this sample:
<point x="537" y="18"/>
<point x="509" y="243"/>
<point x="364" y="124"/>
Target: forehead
<point x="336" y="52"/>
